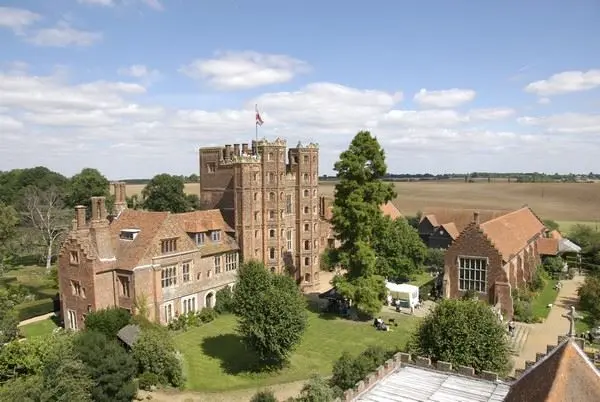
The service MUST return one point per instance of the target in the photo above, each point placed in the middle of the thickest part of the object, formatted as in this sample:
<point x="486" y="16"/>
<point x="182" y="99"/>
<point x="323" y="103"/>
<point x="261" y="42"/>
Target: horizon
<point x="134" y="87"/>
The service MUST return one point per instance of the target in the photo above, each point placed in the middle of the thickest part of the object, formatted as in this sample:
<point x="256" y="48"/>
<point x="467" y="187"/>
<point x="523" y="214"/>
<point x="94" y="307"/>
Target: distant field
<point x="569" y="203"/>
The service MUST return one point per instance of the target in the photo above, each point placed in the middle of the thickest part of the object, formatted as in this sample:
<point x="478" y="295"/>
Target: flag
<point x="259" y="121"/>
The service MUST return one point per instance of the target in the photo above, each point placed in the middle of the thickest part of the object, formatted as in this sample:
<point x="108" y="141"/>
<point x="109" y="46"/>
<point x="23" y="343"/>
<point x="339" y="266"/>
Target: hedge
<point x="35" y="308"/>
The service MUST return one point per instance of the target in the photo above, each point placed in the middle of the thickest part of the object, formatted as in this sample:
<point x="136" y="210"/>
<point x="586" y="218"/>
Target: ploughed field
<point x="564" y="202"/>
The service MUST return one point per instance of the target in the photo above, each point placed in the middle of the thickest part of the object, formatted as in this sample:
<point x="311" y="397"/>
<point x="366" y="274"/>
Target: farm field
<point x="569" y="203"/>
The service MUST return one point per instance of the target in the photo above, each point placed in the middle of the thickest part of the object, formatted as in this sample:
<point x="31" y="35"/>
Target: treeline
<point x="193" y="178"/>
<point x="532" y="177"/>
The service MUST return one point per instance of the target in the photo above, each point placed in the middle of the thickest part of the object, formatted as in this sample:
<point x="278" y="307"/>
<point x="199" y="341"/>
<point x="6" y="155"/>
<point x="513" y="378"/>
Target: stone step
<point x="517" y="342"/>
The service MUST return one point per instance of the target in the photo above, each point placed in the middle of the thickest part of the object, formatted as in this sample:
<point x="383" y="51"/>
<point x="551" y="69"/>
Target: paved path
<point x="547" y="332"/>
<point x="36" y="319"/>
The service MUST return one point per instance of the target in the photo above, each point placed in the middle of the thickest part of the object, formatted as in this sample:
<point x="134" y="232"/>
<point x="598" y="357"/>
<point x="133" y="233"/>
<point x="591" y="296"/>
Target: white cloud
<point x="565" y="82"/>
<point x="140" y="72"/>
<point x="447" y="98"/>
<point x="63" y="35"/>
<point x="544" y="101"/>
<point x="154" y="4"/>
<point x="108" y="124"/>
<point x="244" y="70"/>
<point x="17" y="19"/>
<point x="105" y="3"/>
<point x="565" y="123"/>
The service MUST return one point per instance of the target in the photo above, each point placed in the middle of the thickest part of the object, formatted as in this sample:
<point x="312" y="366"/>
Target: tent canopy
<point x="402" y="288"/>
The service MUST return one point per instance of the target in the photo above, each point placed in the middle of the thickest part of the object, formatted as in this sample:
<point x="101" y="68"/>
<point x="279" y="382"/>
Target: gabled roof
<point x="555" y="234"/>
<point x="202" y="221"/>
<point x="564" y="375"/>
<point x="510" y="233"/>
<point x="451" y="229"/>
<point x="130" y="252"/>
<point x="389" y="209"/>
<point x="460" y="217"/>
<point x="547" y="246"/>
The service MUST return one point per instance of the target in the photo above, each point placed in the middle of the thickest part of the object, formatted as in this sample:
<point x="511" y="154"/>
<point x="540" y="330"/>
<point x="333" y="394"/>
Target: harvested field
<point x="558" y="201"/>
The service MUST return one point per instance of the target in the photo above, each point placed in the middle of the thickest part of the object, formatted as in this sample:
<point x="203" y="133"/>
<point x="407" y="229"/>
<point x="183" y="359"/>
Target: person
<point x="511" y="327"/>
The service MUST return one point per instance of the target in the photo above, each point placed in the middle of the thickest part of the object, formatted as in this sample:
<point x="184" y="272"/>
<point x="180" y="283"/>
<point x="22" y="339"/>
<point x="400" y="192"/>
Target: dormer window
<point x="216" y="235"/>
<point x="128" y="234"/>
<point x="199" y="238"/>
<point x="168" y="246"/>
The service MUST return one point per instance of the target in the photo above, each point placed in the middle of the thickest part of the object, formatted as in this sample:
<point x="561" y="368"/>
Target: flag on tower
<point x="259" y="121"/>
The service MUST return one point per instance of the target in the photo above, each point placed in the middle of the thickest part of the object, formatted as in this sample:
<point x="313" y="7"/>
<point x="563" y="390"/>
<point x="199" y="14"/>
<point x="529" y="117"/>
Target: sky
<point x="135" y="87"/>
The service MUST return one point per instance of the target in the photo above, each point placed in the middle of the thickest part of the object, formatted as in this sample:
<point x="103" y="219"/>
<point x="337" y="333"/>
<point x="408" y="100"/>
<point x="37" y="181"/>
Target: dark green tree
<point x="9" y="219"/>
<point x="463" y="332"/>
<point x="435" y="258"/>
<point x="224" y="300"/>
<point x="165" y="193"/>
<point x="107" y="321"/>
<point x="109" y="366"/>
<point x="155" y="353"/>
<point x="271" y="313"/>
<point x="589" y="297"/>
<point x="9" y="319"/>
<point x="399" y="249"/>
<point x="357" y="218"/>
<point x="86" y="184"/>
<point x="553" y="265"/>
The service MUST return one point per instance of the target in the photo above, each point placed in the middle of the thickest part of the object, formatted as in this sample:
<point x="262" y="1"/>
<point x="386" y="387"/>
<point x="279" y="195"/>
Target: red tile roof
<point x="547" y="246"/>
<point x="460" y="217"/>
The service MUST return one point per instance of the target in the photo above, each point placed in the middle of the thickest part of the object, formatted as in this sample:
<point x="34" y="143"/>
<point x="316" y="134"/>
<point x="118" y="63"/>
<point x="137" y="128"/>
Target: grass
<point x="566" y="226"/>
<point x="421" y="279"/>
<point x="40" y="328"/>
<point x="38" y="285"/>
<point x="539" y="304"/>
<point x="216" y="360"/>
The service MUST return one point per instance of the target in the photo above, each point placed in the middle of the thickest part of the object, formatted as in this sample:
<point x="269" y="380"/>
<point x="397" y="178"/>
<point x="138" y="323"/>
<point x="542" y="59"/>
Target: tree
<point x="44" y="211"/>
<point x="107" y="321"/>
<point x="348" y="370"/>
<point x="224" y="300"/>
<point x="316" y="390"/>
<point x="23" y="359"/>
<point x="357" y="216"/>
<point x="553" y="265"/>
<point x="87" y="184"/>
<point x="109" y="366"/>
<point x="435" y="258"/>
<point x="155" y="353"/>
<point x="9" y="319"/>
<point x="271" y="313"/>
<point x="400" y="251"/>
<point x="165" y="193"/>
<point x="9" y="219"/>
<point x="589" y="297"/>
<point x="463" y="332"/>
<point x="550" y="224"/>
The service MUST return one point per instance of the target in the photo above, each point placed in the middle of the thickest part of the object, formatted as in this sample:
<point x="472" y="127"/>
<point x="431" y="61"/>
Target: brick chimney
<point x="98" y="208"/>
<point x="245" y="149"/>
<point x="476" y="217"/>
<point x="99" y="229"/>
<point x="236" y="149"/>
<point x="120" y="190"/>
<point x="80" y="217"/>
<point x="227" y="155"/>
<point x="254" y="147"/>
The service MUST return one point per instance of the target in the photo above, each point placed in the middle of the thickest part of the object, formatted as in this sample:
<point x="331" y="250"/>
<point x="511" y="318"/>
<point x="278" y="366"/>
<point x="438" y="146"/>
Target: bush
<point x="349" y="370"/>
<point x="316" y="390"/>
<point x="539" y="280"/>
<point x="264" y="396"/>
<point x="35" y="308"/>
<point x="522" y="311"/>
<point x="155" y="353"/>
<point x="107" y="321"/>
<point x="224" y="302"/>
<point x="207" y="315"/>
<point x="589" y="297"/>
<point x="148" y="380"/>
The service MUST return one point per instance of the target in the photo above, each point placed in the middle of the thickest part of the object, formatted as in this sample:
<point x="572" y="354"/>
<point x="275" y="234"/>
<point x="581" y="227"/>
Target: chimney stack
<point x="476" y="217"/>
<point x="80" y="216"/>
<point x="99" y="208"/>
<point x="244" y="149"/>
<point x="253" y="147"/>
<point x="227" y="155"/>
<point x="236" y="149"/>
<point x="120" y="197"/>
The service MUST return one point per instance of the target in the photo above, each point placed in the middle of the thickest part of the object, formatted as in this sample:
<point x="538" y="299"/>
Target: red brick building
<point x="164" y="263"/>
<point x="494" y="257"/>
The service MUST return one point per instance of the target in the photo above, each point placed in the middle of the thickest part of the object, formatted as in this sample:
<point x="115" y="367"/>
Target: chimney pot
<point x="476" y="217"/>
<point x="80" y="216"/>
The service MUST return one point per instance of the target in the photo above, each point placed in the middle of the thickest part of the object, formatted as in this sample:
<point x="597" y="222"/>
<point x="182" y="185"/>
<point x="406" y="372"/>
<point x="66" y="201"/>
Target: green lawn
<point x="539" y="304"/>
<point x="37" y="284"/>
<point x="39" y="328"/>
<point x="216" y="360"/>
<point x="421" y="279"/>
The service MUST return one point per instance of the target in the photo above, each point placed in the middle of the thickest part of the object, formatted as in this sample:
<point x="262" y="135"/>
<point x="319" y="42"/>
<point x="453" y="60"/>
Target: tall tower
<point x="304" y="165"/>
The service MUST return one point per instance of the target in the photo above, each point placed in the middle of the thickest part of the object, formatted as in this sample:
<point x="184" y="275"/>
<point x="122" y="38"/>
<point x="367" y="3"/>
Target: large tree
<point x="166" y="193"/>
<point x="86" y="184"/>
<point x="463" y="332"/>
<point x="271" y="313"/>
<point x="9" y="219"/>
<point x="44" y="211"/>
<point x="357" y="218"/>
<point x="109" y="366"/>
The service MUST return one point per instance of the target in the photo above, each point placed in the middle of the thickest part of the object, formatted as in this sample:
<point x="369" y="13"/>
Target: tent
<point x="407" y="294"/>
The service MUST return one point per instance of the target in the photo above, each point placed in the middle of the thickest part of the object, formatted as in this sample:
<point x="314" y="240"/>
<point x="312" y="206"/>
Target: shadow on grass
<point x="234" y="356"/>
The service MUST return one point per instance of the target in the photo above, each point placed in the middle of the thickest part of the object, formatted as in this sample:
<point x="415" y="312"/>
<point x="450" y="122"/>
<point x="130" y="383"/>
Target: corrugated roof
<point x="408" y="384"/>
<point x="512" y="232"/>
<point x="564" y="375"/>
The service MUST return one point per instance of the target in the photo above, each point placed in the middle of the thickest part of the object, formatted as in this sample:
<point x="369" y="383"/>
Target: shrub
<point x="316" y="390"/>
<point x="589" y="297"/>
<point x="107" y="321"/>
<point x="224" y="302"/>
<point x="348" y="370"/>
<point x="35" y="308"/>
<point x="155" y="353"/>
<point x="207" y="315"/>
<point x="264" y="396"/>
<point x="539" y="280"/>
<point x="522" y="311"/>
<point x="148" y="380"/>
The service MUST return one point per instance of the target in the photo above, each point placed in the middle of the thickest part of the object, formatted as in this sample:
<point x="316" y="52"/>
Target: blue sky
<point x="134" y="87"/>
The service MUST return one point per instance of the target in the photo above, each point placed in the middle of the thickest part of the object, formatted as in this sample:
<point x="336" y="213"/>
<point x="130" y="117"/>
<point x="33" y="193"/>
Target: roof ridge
<point x="505" y="215"/>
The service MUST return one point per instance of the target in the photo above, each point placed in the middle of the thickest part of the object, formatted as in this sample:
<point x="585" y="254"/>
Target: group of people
<point x="380" y="325"/>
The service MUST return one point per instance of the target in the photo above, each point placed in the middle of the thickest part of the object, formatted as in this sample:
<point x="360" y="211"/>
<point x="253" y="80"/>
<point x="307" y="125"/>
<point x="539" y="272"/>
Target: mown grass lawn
<point x="539" y="304"/>
<point x="39" y="286"/>
<point x="216" y="360"/>
<point x="39" y="328"/>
